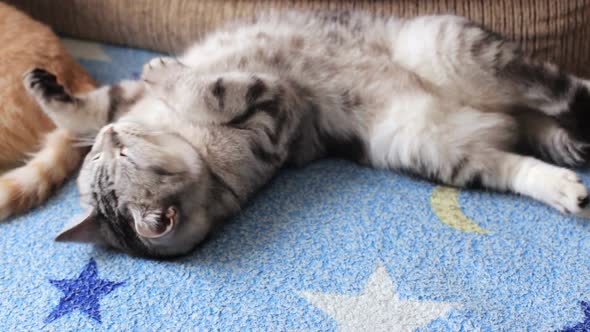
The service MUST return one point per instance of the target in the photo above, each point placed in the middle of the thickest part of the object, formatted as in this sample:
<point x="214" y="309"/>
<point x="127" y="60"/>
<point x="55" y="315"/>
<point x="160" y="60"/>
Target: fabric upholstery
<point x="550" y="29"/>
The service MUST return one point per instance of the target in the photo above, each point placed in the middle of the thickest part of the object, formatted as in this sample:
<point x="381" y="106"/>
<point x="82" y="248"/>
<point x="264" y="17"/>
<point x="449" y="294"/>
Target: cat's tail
<point x="31" y="184"/>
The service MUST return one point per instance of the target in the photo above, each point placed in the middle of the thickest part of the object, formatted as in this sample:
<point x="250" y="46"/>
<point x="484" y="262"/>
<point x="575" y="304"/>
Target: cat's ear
<point x="156" y="226"/>
<point x="83" y="228"/>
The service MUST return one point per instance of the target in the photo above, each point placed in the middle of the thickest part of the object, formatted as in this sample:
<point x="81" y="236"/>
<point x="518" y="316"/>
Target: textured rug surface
<point x="333" y="246"/>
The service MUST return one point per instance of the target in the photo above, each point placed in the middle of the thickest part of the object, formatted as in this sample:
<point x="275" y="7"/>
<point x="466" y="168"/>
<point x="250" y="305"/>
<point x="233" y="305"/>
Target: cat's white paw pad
<point x="572" y="195"/>
<point x="160" y="69"/>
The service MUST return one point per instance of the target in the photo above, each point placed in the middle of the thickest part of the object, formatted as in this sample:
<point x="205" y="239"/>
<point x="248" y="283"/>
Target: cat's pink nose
<point x="110" y="129"/>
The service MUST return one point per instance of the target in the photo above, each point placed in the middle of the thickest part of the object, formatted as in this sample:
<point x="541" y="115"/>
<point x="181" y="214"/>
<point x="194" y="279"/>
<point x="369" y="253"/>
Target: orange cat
<point x="24" y="129"/>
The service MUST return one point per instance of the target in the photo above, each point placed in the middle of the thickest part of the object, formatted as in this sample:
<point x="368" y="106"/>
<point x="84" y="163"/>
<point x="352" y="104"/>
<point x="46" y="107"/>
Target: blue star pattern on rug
<point x="83" y="293"/>
<point x="585" y="325"/>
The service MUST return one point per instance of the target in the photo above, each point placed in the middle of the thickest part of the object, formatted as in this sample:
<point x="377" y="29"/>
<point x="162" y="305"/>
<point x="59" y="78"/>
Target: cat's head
<point x="143" y="192"/>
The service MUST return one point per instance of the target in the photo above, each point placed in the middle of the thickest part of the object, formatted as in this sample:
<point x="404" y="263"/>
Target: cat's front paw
<point x="569" y="194"/>
<point x="43" y="86"/>
<point x="161" y="70"/>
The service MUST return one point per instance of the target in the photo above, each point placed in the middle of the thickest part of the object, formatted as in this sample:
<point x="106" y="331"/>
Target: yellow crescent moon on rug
<point x="445" y="203"/>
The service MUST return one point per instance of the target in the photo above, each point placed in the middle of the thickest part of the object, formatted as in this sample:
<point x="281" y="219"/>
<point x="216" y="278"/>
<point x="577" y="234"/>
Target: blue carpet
<point x="330" y="246"/>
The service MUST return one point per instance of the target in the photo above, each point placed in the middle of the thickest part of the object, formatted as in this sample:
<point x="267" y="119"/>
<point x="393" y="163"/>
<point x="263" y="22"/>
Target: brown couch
<point x="558" y="30"/>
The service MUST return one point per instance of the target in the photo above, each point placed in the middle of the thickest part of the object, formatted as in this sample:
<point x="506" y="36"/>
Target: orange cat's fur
<point x="24" y="129"/>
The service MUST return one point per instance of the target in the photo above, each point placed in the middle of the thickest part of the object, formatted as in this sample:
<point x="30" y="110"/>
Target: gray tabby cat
<point x="439" y="96"/>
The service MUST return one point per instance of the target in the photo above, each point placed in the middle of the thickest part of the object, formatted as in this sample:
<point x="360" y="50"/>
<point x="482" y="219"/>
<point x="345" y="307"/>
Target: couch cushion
<point x="556" y="30"/>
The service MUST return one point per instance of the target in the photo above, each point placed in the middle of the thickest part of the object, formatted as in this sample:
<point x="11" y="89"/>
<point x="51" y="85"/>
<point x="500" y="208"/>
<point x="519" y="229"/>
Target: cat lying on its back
<point x="438" y="96"/>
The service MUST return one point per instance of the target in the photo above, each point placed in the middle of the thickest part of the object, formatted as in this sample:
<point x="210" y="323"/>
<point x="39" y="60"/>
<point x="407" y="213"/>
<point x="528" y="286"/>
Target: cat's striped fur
<point x="35" y="157"/>
<point x="437" y="96"/>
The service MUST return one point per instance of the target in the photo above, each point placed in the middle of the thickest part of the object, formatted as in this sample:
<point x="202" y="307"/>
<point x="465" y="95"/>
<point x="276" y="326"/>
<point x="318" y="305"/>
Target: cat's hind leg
<point x="465" y="147"/>
<point x="464" y="61"/>
<point x="468" y="62"/>
<point x="480" y="67"/>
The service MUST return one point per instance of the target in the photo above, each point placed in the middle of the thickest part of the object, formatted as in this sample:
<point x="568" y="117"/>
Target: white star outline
<point x="378" y="307"/>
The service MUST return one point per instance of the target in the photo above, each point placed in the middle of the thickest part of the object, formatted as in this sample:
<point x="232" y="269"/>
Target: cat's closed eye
<point x="97" y="157"/>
